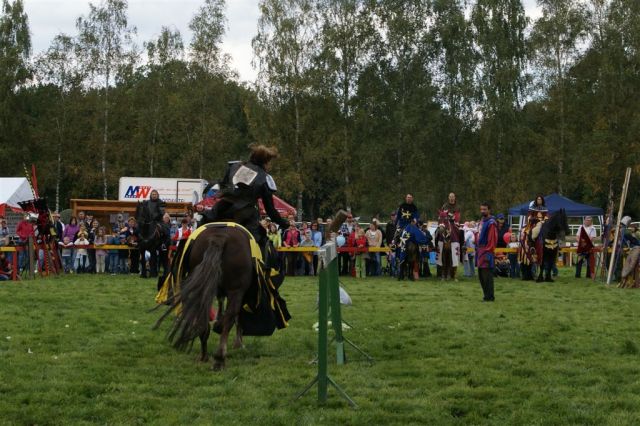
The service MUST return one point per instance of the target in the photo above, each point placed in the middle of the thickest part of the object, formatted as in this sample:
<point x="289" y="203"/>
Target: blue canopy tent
<point x="556" y="202"/>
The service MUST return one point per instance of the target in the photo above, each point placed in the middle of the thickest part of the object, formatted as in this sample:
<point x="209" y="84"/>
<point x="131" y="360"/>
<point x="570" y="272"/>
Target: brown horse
<point x="218" y="266"/>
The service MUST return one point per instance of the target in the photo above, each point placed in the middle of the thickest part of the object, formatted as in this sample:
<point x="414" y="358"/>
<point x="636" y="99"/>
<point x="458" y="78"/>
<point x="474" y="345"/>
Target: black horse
<point x="151" y="237"/>
<point x="219" y="266"/>
<point x="407" y="267"/>
<point x="548" y="243"/>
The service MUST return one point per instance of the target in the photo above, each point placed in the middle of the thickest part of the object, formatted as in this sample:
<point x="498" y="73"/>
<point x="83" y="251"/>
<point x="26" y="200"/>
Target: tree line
<point x="365" y="99"/>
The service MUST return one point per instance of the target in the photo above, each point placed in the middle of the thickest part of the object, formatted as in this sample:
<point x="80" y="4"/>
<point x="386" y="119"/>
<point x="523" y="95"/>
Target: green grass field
<point x="80" y="349"/>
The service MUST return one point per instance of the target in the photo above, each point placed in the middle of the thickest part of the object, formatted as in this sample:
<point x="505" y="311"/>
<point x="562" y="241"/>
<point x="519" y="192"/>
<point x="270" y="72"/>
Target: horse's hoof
<point x="238" y="346"/>
<point x="218" y="366"/>
<point x="549" y="280"/>
<point x="201" y="358"/>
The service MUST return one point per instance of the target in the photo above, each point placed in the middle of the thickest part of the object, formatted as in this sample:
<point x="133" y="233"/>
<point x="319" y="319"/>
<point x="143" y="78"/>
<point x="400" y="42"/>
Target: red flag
<point x="34" y="181"/>
<point x="585" y="245"/>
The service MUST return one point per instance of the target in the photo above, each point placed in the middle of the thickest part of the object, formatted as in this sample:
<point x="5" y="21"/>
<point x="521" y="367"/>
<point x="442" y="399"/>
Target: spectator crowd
<point x="87" y="246"/>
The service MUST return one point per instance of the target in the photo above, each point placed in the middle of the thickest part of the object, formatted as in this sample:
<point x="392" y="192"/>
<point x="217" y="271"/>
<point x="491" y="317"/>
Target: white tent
<point x="13" y="191"/>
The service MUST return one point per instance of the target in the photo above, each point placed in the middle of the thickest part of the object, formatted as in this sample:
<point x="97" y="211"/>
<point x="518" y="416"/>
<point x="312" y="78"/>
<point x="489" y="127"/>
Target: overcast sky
<point x="50" y="17"/>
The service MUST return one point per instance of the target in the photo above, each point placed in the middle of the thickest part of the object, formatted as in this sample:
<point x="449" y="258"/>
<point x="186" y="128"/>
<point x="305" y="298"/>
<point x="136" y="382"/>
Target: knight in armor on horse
<point x="243" y="184"/>
<point x="224" y="262"/>
<point x="408" y="236"/>
<point x="407" y="213"/>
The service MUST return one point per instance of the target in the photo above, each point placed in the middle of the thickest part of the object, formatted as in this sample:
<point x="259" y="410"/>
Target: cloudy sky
<point x="50" y="17"/>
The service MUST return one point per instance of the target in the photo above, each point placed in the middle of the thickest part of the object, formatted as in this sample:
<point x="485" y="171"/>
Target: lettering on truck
<point x="138" y="192"/>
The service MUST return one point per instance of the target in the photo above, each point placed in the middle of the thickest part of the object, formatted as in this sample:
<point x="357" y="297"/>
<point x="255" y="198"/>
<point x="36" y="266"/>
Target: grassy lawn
<point x="80" y="349"/>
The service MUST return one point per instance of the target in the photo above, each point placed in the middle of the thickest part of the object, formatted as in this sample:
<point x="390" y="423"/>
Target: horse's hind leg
<point x="229" y="318"/>
<point x="217" y="323"/>
<point x="237" y="344"/>
<point x="204" y="356"/>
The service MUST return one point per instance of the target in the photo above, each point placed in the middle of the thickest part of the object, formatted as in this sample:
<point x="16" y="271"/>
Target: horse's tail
<point x="197" y="293"/>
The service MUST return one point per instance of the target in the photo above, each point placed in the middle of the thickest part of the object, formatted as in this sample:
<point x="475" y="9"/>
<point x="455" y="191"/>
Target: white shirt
<point x="590" y="230"/>
<point x="469" y="238"/>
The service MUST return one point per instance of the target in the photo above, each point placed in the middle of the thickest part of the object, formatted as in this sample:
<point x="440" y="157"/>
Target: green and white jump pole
<point x="329" y="299"/>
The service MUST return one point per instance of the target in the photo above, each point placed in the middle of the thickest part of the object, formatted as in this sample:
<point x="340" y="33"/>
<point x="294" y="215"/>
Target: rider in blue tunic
<point x="407" y="213"/>
<point x="407" y="229"/>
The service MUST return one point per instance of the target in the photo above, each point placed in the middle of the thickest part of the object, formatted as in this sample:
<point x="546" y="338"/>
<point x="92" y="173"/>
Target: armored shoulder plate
<point x="244" y="175"/>
<point x="271" y="184"/>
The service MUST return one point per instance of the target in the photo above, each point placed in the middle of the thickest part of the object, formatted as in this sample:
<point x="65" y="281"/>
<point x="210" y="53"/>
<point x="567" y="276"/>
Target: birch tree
<point x="556" y="39"/>
<point x="15" y="51"/>
<point x="105" y="44"/>
<point x="284" y="50"/>
<point x="167" y="48"/>
<point x="346" y="36"/>
<point x="58" y="66"/>
<point x="208" y="26"/>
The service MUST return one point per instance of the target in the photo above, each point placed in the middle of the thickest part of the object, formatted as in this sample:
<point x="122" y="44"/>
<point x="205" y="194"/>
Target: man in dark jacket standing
<point x="156" y="207"/>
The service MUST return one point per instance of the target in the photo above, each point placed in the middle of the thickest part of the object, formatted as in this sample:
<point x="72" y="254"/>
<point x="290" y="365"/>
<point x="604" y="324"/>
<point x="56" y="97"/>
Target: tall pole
<point x="614" y="247"/>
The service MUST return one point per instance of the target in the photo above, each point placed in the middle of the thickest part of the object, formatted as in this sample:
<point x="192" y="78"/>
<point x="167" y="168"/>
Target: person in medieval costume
<point x="503" y="230"/>
<point x="538" y="204"/>
<point x="451" y="207"/>
<point x="586" y="236"/>
<point x="630" y="273"/>
<point x="486" y="243"/>
<point x="529" y="249"/>
<point x="407" y="213"/>
<point x="243" y="184"/>
<point x="407" y="229"/>
<point x="447" y="241"/>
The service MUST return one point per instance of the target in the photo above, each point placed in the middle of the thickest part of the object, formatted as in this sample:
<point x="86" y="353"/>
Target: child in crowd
<point x="183" y="233"/>
<point x="5" y="267"/>
<point x="82" y="257"/>
<point x="94" y="225"/>
<point x="123" y="255"/>
<point x="101" y="254"/>
<point x="291" y="238"/>
<point x="307" y="241"/>
<point x="469" y="259"/>
<point x="66" y="252"/>
<point x="274" y="235"/>
<point x="513" y="257"/>
<point x="360" y="257"/>
<point x="113" y="253"/>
